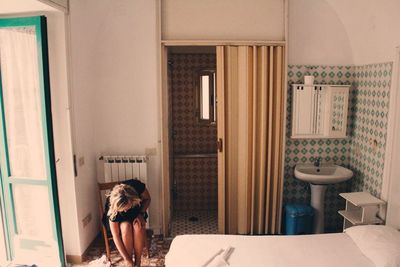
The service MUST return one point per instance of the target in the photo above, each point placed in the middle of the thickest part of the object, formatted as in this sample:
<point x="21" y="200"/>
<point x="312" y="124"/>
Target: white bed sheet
<point x="325" y="250"/>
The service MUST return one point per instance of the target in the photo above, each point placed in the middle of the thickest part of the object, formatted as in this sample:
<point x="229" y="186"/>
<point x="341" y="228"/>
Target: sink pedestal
<point x="317" y="202"/>
<point x="319" y="178"/>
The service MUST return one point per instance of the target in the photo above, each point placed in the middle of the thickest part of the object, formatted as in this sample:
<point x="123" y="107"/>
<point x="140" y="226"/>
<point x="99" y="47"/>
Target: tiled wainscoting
<point x="368" y="110"/>
<point x="196" y="184"/>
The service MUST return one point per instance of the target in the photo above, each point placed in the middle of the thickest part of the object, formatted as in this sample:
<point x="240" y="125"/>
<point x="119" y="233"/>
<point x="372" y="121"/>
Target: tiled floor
<point x="158" y="250"/>
<point x="183" y="222"/>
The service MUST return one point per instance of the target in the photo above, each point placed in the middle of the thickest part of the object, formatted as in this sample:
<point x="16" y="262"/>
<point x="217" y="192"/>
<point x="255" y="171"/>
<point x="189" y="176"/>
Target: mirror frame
<point x="326" y="131"/>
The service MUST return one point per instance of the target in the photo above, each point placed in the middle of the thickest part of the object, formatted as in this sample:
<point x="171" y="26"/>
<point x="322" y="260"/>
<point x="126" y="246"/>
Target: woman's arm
<point x="146" y="199"/>
<point x="115" y="231"/>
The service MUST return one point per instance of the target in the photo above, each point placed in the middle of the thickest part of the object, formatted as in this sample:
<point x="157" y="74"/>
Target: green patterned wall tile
<point x="369" y="126"/>
<point x="305" y="151"/>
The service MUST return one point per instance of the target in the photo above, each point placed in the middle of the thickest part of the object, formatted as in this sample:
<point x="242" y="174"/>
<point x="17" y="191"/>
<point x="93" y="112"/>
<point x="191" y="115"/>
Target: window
<point x="205" y="100"/>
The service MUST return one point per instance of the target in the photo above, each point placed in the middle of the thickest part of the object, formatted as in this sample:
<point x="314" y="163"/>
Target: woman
<point x="125" y="213"/>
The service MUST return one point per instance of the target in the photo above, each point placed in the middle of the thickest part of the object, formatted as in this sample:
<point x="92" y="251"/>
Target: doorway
<point x="192" y="126"/>
<point x="250" y="117"/>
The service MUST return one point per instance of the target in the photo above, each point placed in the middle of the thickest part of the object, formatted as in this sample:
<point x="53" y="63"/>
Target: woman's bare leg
<point x="138" y="244"/>
<point x="127" y="238"/>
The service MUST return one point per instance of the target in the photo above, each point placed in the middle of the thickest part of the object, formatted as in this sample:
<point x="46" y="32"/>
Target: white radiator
<point x="121" y="168"/>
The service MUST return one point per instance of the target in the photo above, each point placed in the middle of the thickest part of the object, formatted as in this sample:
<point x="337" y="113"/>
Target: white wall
<point x="373" y="27"/>
<point x="127" y="98"/>
<point x="223" y="20"/>
<point x="316" y="34"/>
<point x="333" y="32"/>
<point x="82" y="100"/>
<point x="391" y="182"/>
<point x="115" y="93"/>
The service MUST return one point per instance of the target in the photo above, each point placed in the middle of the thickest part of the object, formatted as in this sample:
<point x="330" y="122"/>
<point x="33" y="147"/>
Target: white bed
<point x="328" y="250"/>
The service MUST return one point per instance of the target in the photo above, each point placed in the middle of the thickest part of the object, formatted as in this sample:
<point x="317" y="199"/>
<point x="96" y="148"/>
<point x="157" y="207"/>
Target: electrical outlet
<point x="87" y="219"/>
<point x="81" y="161"/>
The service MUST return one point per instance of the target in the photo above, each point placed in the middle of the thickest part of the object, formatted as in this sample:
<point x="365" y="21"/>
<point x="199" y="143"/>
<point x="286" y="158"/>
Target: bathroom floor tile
<point x="194" y="222"/>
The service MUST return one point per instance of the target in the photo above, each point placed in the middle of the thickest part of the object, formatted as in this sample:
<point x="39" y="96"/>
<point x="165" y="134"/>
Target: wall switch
<point x="151" y="151"/>
<point x="81" y="161"/>
<point x="374" y="144"/>
<point x="75" y="168"/>
<point x="87" y="219"/>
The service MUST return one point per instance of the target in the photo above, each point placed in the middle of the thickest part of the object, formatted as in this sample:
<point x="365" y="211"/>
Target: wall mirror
<point x="319" y="111"/>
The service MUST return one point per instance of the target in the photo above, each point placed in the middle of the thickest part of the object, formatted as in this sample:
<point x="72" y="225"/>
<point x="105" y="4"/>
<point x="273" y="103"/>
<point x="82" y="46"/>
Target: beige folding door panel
<point x="250" y="123"/>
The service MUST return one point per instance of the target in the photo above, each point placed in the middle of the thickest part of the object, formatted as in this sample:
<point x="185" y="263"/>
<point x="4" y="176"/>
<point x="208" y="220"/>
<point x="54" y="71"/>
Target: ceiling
<point x="22" y="6"/>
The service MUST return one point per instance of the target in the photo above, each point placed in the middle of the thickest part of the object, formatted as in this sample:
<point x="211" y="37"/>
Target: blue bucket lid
<point x="299" y="209"/>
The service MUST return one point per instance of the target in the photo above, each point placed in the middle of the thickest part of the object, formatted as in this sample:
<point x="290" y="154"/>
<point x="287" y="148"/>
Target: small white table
<point x="361" y="208"/>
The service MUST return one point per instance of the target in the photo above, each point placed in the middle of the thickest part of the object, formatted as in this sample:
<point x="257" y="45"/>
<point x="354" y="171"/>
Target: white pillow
<point x="380" y="243"/>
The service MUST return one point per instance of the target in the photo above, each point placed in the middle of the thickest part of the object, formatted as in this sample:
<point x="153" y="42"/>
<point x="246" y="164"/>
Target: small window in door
<point x="205" y="97"/>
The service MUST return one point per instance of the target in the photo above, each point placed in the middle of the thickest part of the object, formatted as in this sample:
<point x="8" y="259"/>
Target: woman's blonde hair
<point x="121" y="196"/>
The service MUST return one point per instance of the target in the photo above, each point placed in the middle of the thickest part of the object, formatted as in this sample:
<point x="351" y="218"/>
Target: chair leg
<point x="106" y="243"/>
<point x="148" y="239"/>
<point x="108" y="251"/>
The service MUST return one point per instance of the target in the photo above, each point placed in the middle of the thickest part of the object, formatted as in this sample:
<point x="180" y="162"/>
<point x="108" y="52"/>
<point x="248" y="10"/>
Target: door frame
<point x="165" y="144"/>
<point x="165" y="135"/>
<point x="165" y="149"/>
<point x="390" y="184"/>
<point x="40" y="24"/>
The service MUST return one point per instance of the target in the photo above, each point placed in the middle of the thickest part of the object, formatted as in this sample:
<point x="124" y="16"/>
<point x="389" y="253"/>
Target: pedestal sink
<point x="319" y="178"/>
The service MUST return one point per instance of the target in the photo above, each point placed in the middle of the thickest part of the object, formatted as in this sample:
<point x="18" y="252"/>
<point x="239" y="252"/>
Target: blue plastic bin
<point x="298" y="219"/>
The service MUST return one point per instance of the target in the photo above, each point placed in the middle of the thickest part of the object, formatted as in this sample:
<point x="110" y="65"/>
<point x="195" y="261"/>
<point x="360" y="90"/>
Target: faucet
<point x="317" y="162"/>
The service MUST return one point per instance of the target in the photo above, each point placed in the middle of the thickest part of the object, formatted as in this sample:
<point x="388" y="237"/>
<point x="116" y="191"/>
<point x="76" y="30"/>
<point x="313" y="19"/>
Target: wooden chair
<point x="103" y="188"/>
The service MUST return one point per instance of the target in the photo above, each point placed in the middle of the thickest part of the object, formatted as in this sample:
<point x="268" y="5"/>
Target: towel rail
<point x="185" y="156"/>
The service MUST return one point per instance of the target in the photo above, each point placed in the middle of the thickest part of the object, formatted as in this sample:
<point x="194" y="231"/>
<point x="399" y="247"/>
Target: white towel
<point x="220" y="258"/>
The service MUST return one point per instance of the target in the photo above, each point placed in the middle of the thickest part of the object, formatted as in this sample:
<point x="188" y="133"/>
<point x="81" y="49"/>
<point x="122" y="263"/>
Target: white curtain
<point x="21" y="89"/>
<point x="22" y="105"/>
